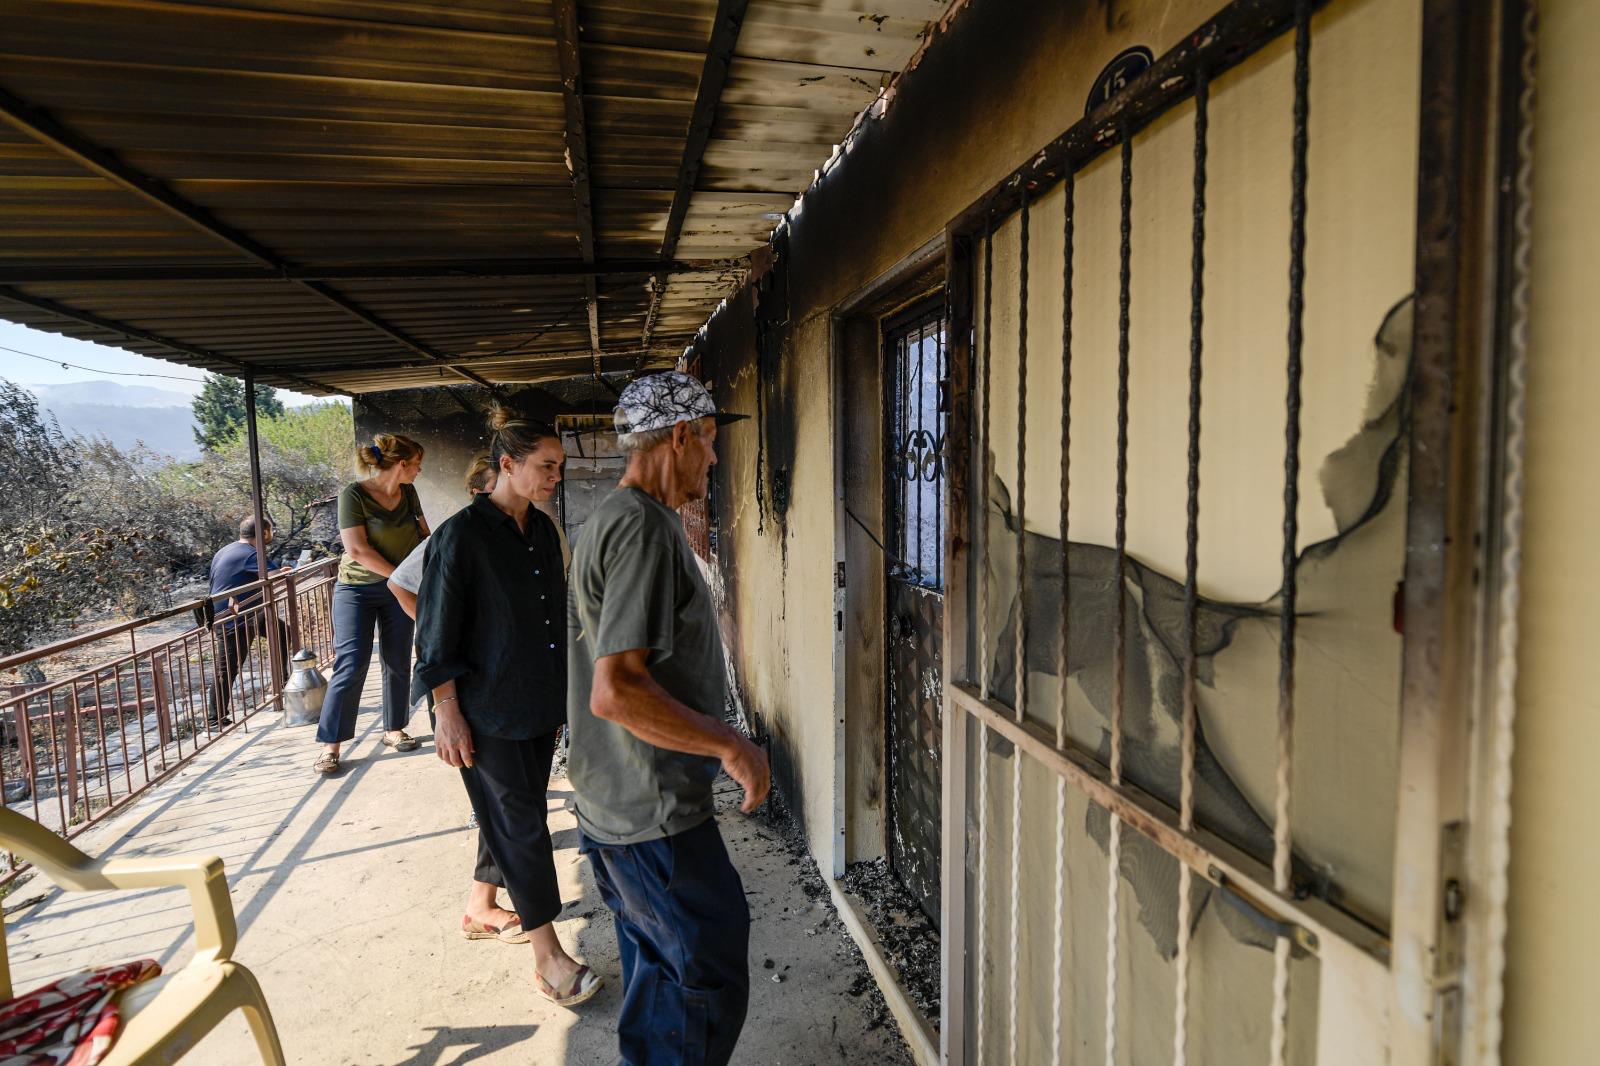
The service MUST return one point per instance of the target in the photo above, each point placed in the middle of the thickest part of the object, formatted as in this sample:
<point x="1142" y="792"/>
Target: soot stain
<point x="1359" y="482"/>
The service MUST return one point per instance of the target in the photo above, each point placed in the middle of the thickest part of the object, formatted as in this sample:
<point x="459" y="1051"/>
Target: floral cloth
<point x="71" y="1022"/>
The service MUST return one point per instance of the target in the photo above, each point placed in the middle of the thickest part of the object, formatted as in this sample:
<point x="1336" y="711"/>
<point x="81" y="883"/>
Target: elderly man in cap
<point x="645" y="706"/>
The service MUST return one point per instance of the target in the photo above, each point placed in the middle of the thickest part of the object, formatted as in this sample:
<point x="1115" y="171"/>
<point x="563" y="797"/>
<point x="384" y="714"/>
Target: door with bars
<point x="914" y="491"/>
<point x="1186" y="336"/>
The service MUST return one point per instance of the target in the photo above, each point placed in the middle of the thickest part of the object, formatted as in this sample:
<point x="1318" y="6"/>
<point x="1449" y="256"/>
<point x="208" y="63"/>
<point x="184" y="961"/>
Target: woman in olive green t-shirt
<point x="380" y="521"/>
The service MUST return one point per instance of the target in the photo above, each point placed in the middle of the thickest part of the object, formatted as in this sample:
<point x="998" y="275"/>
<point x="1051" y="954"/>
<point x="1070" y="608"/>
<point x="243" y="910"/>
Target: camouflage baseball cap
<point x="661" y="401"/>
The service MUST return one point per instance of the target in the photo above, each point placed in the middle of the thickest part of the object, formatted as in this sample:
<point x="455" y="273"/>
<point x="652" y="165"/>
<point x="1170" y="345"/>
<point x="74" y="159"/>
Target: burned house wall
<point x="993" y="87"/>
<point x="997" y="85"/>
<point x="1000" y="83"/>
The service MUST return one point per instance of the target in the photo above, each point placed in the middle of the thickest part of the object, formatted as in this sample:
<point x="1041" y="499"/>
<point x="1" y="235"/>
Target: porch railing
<point x="75" y="751"/>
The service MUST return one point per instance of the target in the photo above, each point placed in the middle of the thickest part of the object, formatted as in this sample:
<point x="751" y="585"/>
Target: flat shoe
<point x="327" y="765"/>
<point x="580" y="987"/>
<point x="510" y="933"/>
<point x="405" y="743"/>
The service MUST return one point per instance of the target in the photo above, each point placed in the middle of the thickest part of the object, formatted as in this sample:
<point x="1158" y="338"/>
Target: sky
<point x="33" y="357"/>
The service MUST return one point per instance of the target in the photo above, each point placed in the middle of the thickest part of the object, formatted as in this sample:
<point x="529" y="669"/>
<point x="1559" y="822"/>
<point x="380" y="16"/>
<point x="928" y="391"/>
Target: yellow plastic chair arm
<point x="216" y="933"/>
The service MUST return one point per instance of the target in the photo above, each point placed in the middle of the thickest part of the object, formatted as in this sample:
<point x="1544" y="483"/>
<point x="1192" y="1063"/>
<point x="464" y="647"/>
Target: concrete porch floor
<point x="349" y="893"/>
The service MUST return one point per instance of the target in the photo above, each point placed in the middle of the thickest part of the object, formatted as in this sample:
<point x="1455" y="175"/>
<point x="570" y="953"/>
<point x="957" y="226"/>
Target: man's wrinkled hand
<point x="452" y="738"/>
<point x="747" y="765"/>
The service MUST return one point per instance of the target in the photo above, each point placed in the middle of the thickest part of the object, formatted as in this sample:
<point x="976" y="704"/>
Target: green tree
<point x="305" y="456"/>
<point x="87" y="528"/>
<point x="219" y="409"/>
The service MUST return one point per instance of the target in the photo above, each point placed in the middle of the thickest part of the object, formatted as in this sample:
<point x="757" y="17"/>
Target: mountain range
<point x="126" y="415"/>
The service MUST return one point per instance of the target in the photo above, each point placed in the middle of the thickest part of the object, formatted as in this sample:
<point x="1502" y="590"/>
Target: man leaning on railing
<point x="238" y="627"/>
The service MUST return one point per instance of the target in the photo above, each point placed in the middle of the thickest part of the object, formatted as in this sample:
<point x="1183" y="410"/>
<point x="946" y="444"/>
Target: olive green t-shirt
<point x="392" y="533"/>
<point x="634" y="583"/>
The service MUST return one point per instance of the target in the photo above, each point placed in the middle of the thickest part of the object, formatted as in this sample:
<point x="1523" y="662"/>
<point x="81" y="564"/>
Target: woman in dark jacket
<point x="492" y="647"/>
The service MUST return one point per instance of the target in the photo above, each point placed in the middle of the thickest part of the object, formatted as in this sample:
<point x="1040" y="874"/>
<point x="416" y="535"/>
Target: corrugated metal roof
<point x="352" y="194"/>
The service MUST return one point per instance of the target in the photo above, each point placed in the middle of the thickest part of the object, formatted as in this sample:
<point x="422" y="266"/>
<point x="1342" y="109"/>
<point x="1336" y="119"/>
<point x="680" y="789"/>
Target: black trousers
<point x="484" y="870"/>
<point x="506" y="783"/>
<point x="233" y="647"/>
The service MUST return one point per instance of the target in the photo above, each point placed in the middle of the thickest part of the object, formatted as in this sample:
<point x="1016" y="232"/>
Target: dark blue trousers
<point x="357" y="609"/>
<point x="683" y="930"/>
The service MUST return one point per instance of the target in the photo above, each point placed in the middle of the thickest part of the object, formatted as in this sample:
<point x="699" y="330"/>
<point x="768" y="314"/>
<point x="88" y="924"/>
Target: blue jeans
<point x="683" y="931"/>
<point x="356" y="610"/>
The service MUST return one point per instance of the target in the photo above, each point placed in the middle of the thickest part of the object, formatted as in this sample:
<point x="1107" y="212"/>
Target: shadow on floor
<point x="480" y="1040"/>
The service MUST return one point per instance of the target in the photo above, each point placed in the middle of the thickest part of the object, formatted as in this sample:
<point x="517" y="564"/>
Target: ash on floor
<point x="910" y="942"/>
<point x="788" y="845"/>
<point x="558" y="765"/>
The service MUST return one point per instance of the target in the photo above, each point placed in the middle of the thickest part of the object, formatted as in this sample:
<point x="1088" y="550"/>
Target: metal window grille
<point x="988" y="683"/>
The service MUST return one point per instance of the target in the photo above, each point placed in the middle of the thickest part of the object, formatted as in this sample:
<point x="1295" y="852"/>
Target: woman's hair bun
<point x="512" y="434"/>
<point x="501" y="416"/>
<point x="386" y="450"/>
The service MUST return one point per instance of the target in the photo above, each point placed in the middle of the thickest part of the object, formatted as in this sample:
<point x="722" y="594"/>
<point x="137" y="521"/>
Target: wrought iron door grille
<point x="915" y="465"/>
<point x="914" y="468"/>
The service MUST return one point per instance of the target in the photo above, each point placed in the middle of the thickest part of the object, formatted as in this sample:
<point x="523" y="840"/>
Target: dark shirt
<point x="232" y="567"/>
<point x="489" y="618"/>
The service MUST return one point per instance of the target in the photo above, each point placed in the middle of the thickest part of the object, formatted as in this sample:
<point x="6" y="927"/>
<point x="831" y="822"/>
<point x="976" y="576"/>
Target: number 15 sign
<point x="1128" y="65"/>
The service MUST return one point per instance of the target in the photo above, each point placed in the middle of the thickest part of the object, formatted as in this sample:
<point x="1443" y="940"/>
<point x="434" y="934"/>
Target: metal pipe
<point x="1020" y="691"/>
<point x="269" y="608"/>
<point x="292" y="601"/>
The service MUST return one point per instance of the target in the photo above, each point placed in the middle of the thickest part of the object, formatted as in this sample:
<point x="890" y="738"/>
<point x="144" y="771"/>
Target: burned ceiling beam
<point x="577" y="139"/>
<point x="41" y="126"/>
<point x="713" y="76"/>
<point x="442" y="270"/>
<point x="536" y="360"/>
<point x="205" y="355"/>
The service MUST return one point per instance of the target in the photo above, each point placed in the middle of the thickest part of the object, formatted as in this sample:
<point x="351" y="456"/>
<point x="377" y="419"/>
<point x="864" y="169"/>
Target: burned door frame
<point x="855" y="374"/>
<point x="1433" y="947"/>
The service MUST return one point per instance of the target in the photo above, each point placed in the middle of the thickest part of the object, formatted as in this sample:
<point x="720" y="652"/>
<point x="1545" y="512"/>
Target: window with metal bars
<point x="1192" y="417"/>
<point x="914" y="350"/>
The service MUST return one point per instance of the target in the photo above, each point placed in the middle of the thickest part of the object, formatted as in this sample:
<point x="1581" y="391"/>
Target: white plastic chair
<point x="162" y="1018"/>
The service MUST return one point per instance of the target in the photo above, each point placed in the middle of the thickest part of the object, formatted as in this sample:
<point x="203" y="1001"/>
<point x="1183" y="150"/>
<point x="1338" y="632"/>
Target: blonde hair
<point x="386" y="450"/>
<point x="513" y="436"/>
<point x="480" y="473"/>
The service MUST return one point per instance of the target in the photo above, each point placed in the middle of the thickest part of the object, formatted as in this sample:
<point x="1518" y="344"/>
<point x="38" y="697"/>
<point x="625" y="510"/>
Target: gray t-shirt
<point x="635" y="584"/>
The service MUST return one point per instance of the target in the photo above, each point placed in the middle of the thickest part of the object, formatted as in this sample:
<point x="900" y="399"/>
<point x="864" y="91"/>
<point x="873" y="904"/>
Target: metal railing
<point x="75" y="751"/>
